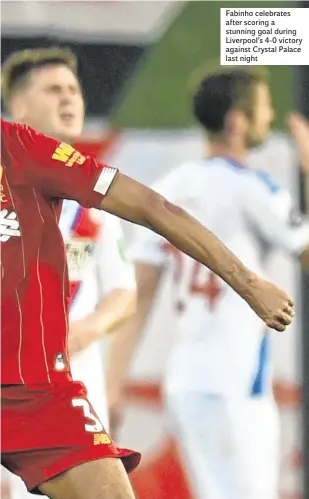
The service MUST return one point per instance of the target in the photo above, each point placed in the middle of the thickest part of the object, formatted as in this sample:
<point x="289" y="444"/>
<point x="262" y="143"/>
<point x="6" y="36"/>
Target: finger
<point x="279" y="327"/>
<point x="276" y="325"/>
<point x="289" y="310"/>
<point x="284" y="318"/>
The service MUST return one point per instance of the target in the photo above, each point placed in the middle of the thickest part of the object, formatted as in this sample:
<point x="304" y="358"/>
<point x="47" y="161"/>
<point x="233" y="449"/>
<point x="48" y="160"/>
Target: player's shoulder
<point x="5" y="124"/>
<point x="262" y="181"/>
<point x="12" y="131"/>
<point x="10" y="126"/>
<point x="8" y="144"/>
<point x="6" y="128"/>
<point x="175" y="179"/>
<point x="245" y="174"/>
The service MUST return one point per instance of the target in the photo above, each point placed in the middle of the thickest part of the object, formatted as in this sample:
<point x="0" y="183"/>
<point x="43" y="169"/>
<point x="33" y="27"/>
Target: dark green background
<point x="159" y="95"/>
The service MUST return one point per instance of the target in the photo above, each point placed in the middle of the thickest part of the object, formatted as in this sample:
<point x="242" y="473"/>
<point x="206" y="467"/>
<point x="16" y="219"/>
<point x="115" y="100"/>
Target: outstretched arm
<point x="134" y="202"/>
<point x="61" y="172"/>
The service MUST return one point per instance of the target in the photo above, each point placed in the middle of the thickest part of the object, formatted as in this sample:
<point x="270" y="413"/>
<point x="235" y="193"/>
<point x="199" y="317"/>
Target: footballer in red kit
<point x="51" y="436"/>
<point x="34" y="312"/>
<point x="35" y="296"/>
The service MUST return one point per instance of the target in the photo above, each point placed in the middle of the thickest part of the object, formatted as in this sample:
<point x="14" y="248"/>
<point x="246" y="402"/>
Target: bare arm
<point x="139" y="204"/>
<point x="121" y="345"/>
<point x="114" y="309"/>
<point x="132" y="201"/>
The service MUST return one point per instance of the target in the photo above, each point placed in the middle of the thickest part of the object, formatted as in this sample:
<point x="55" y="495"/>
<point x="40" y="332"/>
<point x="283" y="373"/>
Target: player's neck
<point x="227" y="149"/>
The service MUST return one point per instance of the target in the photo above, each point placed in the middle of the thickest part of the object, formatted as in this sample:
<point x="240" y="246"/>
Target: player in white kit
<point x="102" y="292"/>
<point x="218" y="378"/>
<point x="102" y="281"/>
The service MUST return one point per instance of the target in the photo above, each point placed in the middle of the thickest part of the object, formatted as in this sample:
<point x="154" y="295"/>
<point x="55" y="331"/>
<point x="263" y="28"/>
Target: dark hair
<point x="221" y="92"/>
<point x="18" y="66"/>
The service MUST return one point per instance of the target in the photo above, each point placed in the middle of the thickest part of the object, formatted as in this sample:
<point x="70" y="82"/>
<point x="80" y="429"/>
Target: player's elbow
<point x="157" y="210"/>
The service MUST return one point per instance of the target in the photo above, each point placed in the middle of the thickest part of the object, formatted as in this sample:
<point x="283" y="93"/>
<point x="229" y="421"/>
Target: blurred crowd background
<point x="138" y="63"/>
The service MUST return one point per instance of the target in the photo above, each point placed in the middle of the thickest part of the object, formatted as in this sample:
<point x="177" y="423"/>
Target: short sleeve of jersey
<point x="114" y="269"/>
<point x="270" y="210"/>
<point x="147" y="246"/>
<point x="56" y="168"/>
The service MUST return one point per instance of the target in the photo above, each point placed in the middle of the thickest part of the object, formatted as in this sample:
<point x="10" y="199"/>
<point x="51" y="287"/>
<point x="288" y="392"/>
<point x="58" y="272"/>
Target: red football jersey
<point x="37" y="172"/>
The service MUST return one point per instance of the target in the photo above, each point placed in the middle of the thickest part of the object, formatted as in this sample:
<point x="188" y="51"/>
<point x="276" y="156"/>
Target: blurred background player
<point x="102" y="282"/>
<point x="218" y="378"/>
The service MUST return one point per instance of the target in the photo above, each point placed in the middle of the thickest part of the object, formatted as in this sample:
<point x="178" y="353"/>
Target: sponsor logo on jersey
<point x="9" y="225"/>
<point x="101" y="438"/>
<point x="68" y="155"/>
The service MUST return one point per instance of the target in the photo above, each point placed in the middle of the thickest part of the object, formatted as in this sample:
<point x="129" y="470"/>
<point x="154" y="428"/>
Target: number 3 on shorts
<point x="84" y="404"/>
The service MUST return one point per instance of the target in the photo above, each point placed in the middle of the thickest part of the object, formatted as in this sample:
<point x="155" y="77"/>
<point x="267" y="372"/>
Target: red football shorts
<point x="48" y="429"/>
